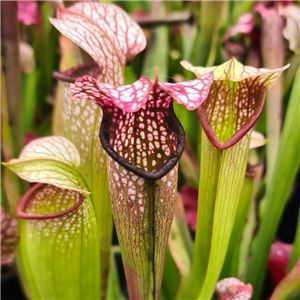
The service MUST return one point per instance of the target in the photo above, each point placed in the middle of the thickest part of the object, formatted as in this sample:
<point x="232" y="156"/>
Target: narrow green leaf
<point x="10" y="182"/>
<point x="180" y="242"/>
<point x="231" y="263"/>
<point x="113" y="288"/>
<point x="221" y="178"/>
<point x="61" y="253"/>
<point x="157" y="52"/>
<point x="251" y="222"/>
<point x="204" y="51"/>
<point x="189" y="166"/>
<point x="170" y="279"/>
<point x="231" y="170"/>
<point x="180" y="246"/>
<point x="29" y="99"/>
<point x="285" y="169"/>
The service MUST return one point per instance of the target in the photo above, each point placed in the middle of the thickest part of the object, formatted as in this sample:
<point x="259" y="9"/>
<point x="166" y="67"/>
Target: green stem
<point x="231" y="264"/>
<point x="206" y="41"/>
<point x="285" y="170"/>
<point x="221" y="178"/>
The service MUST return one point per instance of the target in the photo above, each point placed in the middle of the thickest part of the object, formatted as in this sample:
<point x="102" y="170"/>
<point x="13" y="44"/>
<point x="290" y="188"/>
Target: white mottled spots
<point x="141" y="181"/>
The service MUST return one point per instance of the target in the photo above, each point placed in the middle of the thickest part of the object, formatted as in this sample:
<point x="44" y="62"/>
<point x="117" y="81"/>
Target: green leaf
<point x="48" y="171"/>
<point x="231" y="264"/>
<point x="221" y="178"/>
<point x="204" y="50"/>
<point x="114" y="289"/>
<point x="61" y="253"/>
<point x="29" y="99"/>
<point x="286" y="166"/>
<point x="50" y="160"/>
<point x="170" y="279"/>
<point x="10" y="182"/>
<point x="180" y="246"/>
<point x="157" y="52"/>
<point x="251" y="222"/>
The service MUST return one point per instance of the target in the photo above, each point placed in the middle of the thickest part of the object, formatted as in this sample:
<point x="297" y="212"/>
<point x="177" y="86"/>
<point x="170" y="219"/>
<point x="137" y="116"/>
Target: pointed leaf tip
<point x="45" y="201"/>
<point x="190" y="93"/>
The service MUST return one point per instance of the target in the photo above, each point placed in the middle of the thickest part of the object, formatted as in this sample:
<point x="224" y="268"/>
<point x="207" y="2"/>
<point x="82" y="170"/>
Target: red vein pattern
<point x="65" y="244"/>
<point x="104" y="31"/>
<point x="124" y="31"/>
<point x="143" y="212"/>
<point x="235" y="100"/>
<point x="139" y="123"/>
<point x="45" y="201"/>
<point x="144" y="140"/>
<point x="112" y="39"/>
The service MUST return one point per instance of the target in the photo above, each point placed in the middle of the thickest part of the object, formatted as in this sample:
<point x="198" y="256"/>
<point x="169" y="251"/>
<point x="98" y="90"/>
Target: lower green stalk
<point x="221" y="178"/>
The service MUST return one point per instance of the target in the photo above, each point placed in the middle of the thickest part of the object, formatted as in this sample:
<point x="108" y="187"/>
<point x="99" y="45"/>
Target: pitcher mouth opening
<point x="161" y="170"/>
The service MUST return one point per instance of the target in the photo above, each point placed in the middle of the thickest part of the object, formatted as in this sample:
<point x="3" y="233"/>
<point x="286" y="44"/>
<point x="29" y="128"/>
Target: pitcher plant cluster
<point x="116" y="156"/>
